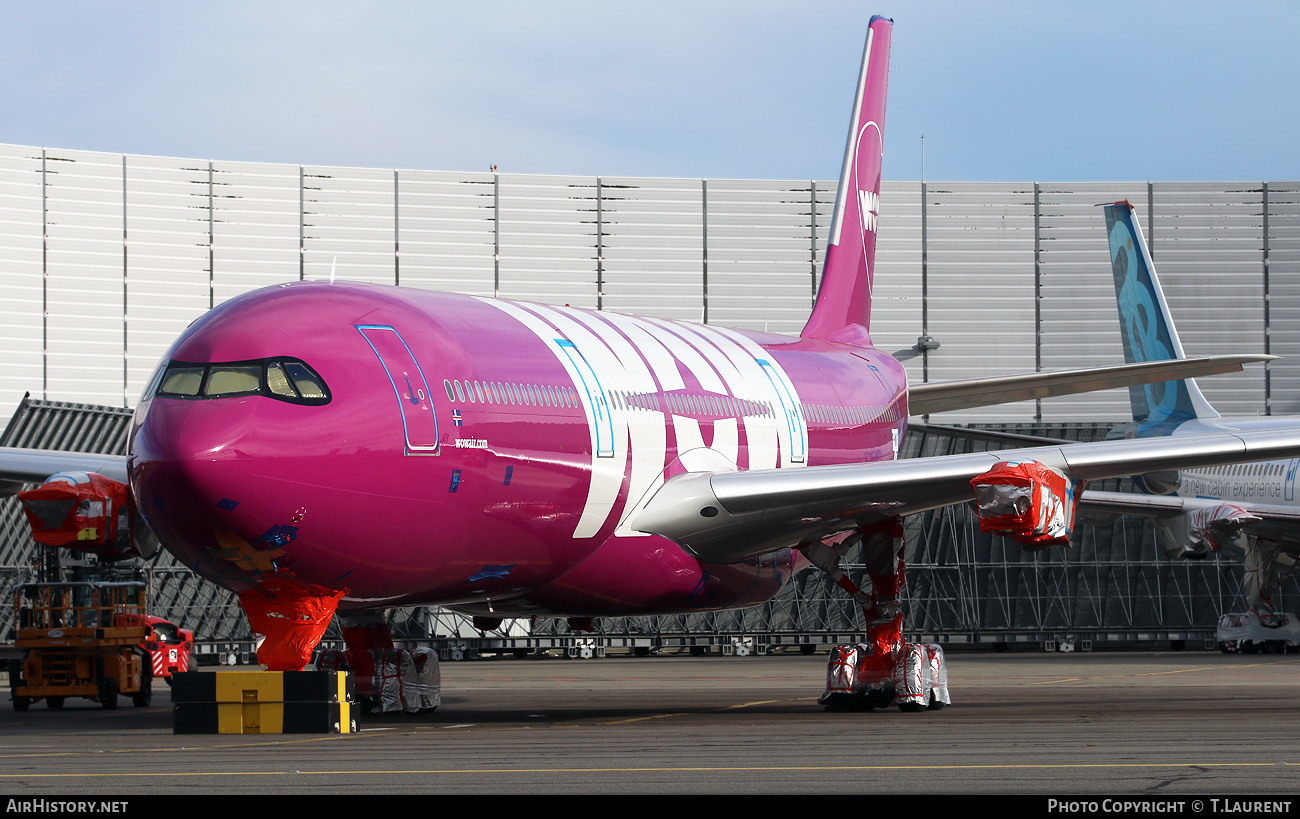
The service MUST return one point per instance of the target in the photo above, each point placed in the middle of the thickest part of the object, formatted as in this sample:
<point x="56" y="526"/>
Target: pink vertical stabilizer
<point x="843" y="309"/>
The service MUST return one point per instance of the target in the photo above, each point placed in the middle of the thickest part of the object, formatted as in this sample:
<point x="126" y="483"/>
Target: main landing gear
<point x="883" y="670"/>
<point x="387" y="679"/>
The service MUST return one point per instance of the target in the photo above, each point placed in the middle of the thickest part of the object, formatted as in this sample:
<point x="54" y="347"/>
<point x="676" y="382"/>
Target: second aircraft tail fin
<point x="1148" y="329"/>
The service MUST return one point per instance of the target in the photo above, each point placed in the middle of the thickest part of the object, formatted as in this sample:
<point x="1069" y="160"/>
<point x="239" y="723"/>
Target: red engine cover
<point x="81" y="510"/>
<point x="1027" y="501"/>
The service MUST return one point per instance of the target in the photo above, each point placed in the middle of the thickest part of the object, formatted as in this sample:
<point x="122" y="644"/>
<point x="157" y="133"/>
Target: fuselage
<point x="1263" y="482"/>
<point x="481" y="453"/>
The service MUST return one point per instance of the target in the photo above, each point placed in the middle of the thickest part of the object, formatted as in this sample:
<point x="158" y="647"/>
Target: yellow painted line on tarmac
<point x="1156" y="673"/>
<point x="658" y="769"/>
<point x="175" y="749"/>
<point x="636" y="719"/>
<point x="1217" y="668"/>
<point x="1180" y="671"/>
<point x="745" y="705"/>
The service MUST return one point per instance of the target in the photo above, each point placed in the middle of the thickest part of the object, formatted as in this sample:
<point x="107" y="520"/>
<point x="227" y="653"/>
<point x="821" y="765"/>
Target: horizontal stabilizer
<point x="1280" y="524"/>
<point x="924" y="399"/>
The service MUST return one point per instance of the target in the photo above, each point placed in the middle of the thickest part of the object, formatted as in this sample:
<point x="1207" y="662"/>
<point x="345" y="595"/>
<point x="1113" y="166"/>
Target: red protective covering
<point x="292" y="616"/>
<point x="363" y="641"/>
<point x="81" y="510"/>
<point x="1027" y="501"/>
<point x="1216" y="526"/>
<point x="883" y="551"/>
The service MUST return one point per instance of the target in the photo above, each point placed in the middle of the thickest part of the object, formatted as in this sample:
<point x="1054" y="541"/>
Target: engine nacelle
<point x="1159" y="483"/>
<point x="1027" y="501"/>
<point x="88" y="512"/>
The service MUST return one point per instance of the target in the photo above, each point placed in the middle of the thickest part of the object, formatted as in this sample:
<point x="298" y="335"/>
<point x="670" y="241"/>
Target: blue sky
<point x="1048" y="91"/>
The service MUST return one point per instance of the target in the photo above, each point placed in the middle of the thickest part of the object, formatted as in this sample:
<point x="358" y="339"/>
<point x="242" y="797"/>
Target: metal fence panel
<point x="1207" y="242"/>
<point x="1284" y="296"/>
<point x="168" y="240"/>
<point x="896" y="294"/>
<point x="547" y="238"/>
<point x="348" y="224"/>
<point x="1079" y="318"/>
<point x="981" y="286"/>
<point x="653" y="247"/>
<point x="761" y="250"/>
<point x="85" y="267"/>
<point x="256" y="226"/>
<point x="22" y="322"/>
<point x="446" y="228"/>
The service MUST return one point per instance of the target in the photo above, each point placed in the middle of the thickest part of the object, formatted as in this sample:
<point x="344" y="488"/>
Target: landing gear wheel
<point x="936" y="704"/>
<point x="22" y="703"/>
<point x="843" y="702"/>
<point x="909" y="707"/>
<point x="880" y="698"/>
<point x="54" y="703"/>
<point x="108" y="693"/>
<point x="144" y="696"/>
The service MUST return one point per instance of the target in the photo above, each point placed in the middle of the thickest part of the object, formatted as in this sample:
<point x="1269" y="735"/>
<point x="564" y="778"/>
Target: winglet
<point x="843" y="308"/>
<point x="1148" y="329"/>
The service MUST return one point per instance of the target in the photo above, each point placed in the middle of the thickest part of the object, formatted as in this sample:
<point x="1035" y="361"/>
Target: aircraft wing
<point x="942" y="396"/>
<point x="1277" y="523"/>
<point x="19" y="466"/>
<point x="725" y="517"/>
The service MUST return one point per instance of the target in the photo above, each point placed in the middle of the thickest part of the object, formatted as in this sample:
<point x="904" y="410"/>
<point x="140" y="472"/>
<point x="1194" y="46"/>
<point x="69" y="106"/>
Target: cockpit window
<point x="181" y="380"/>
<point x="284" y="379"/>
<point x="277" y="381"/>
<point x="233" y="379"/>
<point x="308" y="383"/>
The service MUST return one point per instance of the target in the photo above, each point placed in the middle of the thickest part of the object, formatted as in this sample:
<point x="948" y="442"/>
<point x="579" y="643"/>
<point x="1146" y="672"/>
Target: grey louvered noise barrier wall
<point x="106" y="258"/>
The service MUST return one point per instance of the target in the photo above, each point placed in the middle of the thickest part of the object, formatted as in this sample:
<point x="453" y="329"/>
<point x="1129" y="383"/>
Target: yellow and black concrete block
<point x="263" y="702"/>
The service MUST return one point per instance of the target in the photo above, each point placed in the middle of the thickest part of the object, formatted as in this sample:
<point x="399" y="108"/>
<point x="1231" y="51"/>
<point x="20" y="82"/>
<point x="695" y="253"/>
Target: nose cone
<point x="189" y="463"/>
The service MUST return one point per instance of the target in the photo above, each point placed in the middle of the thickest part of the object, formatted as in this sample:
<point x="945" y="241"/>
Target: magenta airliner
<point x="377" y="446"/>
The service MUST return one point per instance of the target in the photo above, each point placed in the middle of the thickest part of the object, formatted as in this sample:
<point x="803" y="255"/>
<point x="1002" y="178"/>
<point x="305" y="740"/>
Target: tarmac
<point x="1165" y="726"/>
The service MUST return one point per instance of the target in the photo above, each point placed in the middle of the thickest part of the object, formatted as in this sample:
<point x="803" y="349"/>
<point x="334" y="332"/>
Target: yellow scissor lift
<point x="79" y="641"/>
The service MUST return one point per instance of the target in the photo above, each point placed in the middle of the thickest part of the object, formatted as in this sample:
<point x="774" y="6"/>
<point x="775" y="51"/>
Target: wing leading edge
<point x="724" y="517"/>
<point x="21" y="466"/>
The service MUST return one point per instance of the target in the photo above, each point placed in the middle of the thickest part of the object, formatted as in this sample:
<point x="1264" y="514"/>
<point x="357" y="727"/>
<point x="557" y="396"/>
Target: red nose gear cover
<point x="292" y="615"/>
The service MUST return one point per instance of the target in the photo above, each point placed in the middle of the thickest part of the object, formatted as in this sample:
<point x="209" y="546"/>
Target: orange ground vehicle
<point x="81" y="640"/>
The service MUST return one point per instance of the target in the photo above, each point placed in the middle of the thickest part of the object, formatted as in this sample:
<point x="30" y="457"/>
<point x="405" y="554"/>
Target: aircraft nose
<point x="187" y="460"/>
